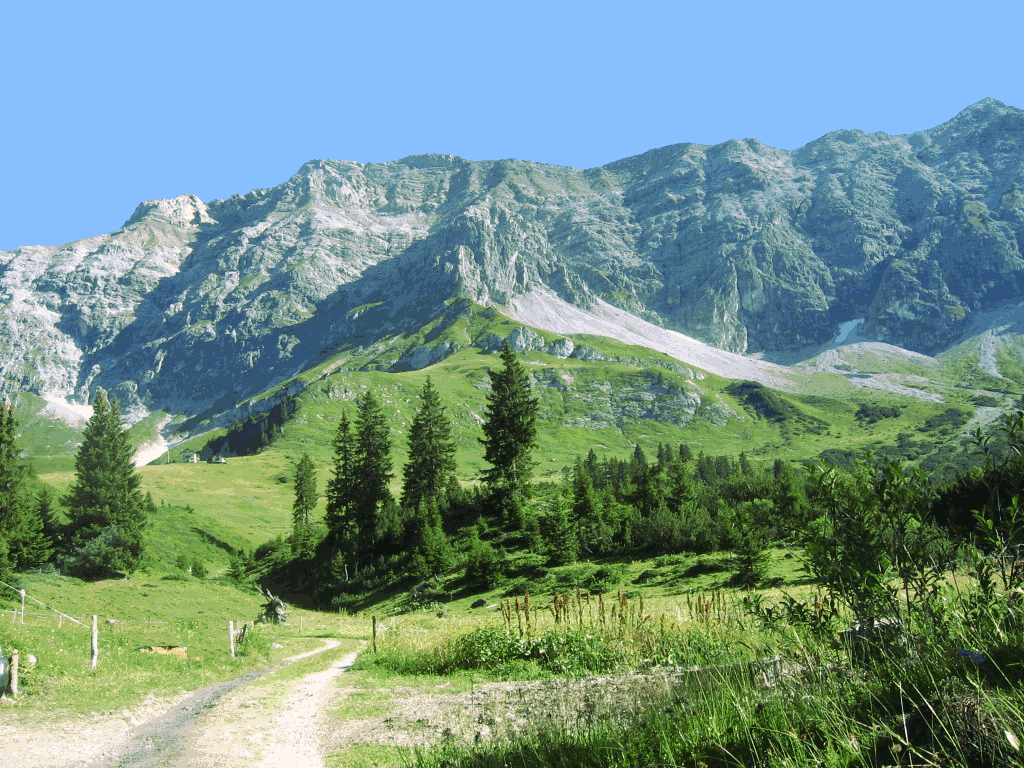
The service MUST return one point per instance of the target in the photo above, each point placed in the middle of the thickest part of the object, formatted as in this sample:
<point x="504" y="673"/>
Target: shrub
<point x="605" y="579"/>
<point x="703" y="566"/>
<point x="484" y="566"/>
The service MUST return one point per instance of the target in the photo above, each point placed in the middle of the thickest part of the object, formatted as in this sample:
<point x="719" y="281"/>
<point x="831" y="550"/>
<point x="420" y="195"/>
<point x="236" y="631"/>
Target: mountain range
<point x="738" y="259"/>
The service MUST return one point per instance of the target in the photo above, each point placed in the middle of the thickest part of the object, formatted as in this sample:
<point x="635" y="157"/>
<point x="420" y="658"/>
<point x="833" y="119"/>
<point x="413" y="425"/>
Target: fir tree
<point x="561" y="537"/>
<point x="484" y="564"/>
<point x="588" y="513"/>
<point x="433" y="553"/>
<point x="306" y="497"/>
<point x="373" y="468"/>
<point x="430" y="469"/>
<point x="104" y="504"/>
<point x="510" y="428"/>
<point x="359" y="501"/>
<point x="342" y="530"/>
<point x="25" y="543"/>
<point x="48" y="515"/>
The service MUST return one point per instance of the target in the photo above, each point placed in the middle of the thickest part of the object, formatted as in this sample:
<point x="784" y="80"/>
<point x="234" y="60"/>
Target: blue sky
<point x="107" y="104"/>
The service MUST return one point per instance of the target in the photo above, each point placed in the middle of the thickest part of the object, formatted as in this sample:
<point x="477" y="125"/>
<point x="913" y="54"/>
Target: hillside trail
<point x="255" y="717"/>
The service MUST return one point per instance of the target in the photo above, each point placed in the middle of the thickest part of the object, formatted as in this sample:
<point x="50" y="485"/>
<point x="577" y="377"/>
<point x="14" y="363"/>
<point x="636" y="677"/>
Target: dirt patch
<point x="62" y="740"/>
<point x="506" y="709"/>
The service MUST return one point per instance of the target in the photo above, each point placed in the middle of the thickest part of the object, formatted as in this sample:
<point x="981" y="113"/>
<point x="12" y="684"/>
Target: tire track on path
<point x="217" y="725"/>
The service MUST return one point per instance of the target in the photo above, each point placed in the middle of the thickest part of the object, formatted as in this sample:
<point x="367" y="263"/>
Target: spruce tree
<point x="359" y="501"/>
<point x="433" y="553"/>
<point x="510" y="428"/>
<point x="48" y="516"/>
<point x="587" y="513"/>
<point x="430" y="469"/>
<point x="373" y="468"/>
<point x="342" y="531"/>
<point x="106" y="510"/>
<point x="561" y="535"/>
<point x="306" y="496"/>
<point x="25" y="543"/>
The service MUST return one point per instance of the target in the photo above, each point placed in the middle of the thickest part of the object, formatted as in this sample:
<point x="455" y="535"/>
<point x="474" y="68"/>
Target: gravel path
<point x="215" y="726"/>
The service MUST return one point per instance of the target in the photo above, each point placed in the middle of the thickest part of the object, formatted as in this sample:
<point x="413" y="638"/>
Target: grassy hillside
<point x="629" y="396"/>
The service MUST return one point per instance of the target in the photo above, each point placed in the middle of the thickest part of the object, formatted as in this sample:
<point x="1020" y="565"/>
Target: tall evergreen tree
<point x="306" y="497"/>
<point x="372" y="478"/>
<point x="342" y="531"/>
<point x="48" y="516"/>
<point x="510" y="428"/>
<point x="560" y="534"/>
<point x="105" y="507"/>
<point x="25" y="543"/>
<point x="430" y="469"/>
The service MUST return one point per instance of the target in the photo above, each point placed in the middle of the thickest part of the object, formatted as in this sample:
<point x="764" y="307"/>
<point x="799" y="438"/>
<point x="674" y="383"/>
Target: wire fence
<point x="121" y="632"/>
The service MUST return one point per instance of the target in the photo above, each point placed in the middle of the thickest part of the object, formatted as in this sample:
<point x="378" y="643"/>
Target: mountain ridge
<point x="739" y="246"/>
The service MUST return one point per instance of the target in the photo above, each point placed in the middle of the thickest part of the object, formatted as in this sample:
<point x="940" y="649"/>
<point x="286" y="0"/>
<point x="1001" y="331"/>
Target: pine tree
<point x="48" y="516"/>
<point x="306" y="497"/>
<point x="25" y="543"/>
<point x="433" y="553"/>
<point x="431" y="465"/>
<point x="359" y="501"/>
<point x="342" y="531"/>
<point x="106" y="510"/>
<point x="561" y="536"/>
<point x="373" y="469"/>
<point x="510" y="428"/>
<point x="588" y="514"/>
<point x="484" y="564"/>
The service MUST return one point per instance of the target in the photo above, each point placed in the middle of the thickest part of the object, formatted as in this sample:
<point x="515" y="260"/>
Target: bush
<point x="192" y="565"/>
<point x="521" y="586"/>
<point x="704" y="566"/>
<point x="605" y="579"/>
<point x="104" y="556"/>
<point x="484" y="565"/>
<point x="575" y="576"/>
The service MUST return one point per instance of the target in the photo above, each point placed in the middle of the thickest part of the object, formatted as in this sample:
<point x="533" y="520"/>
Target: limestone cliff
<point x="741" y="245"/>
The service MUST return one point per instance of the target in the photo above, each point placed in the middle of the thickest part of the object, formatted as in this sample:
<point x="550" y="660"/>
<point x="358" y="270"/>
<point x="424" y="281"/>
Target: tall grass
<point x="572" y="633"/>
<point x="939" y="683"/>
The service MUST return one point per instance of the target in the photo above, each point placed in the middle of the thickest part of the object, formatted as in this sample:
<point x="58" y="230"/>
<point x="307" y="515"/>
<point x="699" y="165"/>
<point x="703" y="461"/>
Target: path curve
<point x="298" y="725"/>
<point x="201" y="730"/>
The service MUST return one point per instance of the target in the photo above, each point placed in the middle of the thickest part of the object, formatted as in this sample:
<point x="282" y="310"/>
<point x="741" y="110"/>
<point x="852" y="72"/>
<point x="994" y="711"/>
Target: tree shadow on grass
<point x="219" y="543"/>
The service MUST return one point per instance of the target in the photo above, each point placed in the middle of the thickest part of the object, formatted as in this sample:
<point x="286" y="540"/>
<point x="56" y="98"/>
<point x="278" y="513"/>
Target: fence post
<point x="13" y="684"/>
<point x="95" y="641"/>
<point x="22" y="606"/>
<point x="375" y="635"/>
<point x="231" y="637"/>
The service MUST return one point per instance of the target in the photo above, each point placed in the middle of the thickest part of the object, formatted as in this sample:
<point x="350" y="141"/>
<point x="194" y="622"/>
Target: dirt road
<point x="258" y="717"/>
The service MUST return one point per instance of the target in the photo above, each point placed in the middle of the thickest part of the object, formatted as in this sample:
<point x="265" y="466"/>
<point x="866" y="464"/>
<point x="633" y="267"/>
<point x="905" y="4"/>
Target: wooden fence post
<point x="95" y="641"/>
<point x="374" y="635"/>
<point x="13" y="684"/>
<point x="22" y="606"/>
<point x="231" y="637"/>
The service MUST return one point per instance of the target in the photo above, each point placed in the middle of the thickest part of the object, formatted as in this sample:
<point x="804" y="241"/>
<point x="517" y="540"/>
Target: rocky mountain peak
<point x="740" y="245"/>
<point x="183" y="210"/>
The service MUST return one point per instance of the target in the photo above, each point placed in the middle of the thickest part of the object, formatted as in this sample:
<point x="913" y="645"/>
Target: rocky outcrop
<point x="741" y="245"/>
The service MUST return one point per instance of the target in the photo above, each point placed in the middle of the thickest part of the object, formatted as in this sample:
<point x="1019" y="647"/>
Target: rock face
<point x="743" y="246"/>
